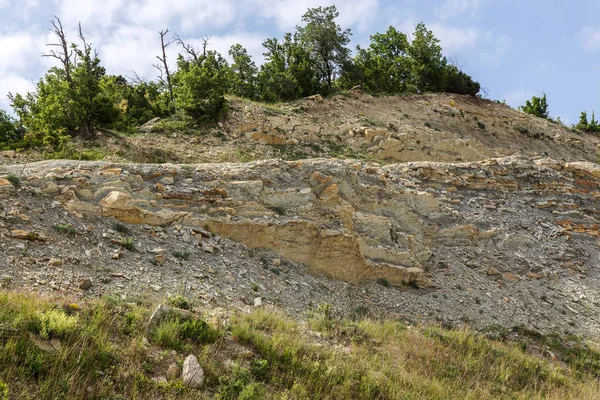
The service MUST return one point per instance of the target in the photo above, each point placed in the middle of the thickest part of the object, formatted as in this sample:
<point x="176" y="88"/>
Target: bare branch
<point x="188" y="48"/>
<point x="63" y="55"/>
<point x="166" y="66"/>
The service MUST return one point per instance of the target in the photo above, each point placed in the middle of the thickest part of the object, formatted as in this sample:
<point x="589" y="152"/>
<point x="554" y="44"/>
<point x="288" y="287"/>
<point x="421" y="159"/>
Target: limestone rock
<point x="192" y="374"/>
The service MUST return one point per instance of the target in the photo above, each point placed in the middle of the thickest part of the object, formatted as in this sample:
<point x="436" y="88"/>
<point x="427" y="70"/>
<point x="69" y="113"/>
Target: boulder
<point x="192" y="374"/>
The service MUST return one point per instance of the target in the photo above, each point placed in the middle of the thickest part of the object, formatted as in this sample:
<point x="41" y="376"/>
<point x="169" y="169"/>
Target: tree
<point x="427" y="63"/>
<point x="384" y="65"/>
<point x="165" y="67"/>
<point x="244" y="72"/>
<point x="10" y="131"/>
<point x="69" y="99"/>
<point x="537" y="106"/>
<point x="459" y="82"/>
<point x="325" y="41"/>
<point x="288" y="72"/>
<point x="199" y="87"/>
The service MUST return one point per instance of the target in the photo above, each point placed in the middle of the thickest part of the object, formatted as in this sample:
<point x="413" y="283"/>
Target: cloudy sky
<point x="515" y="48"/>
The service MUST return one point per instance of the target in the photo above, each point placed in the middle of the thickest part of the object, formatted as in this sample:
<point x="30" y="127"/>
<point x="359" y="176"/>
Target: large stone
<point x="193" y="374"/>
<point x="121" y="206"/>
<point x="290" y="198"/>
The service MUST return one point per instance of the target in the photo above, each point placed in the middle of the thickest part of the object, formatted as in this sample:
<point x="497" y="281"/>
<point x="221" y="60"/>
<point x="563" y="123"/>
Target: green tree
<point x="583" y="124"/>
<point x="459" y="82"/>
<point x="325" y="41"/>
<point x="288" y="72"/>
<point x="11" y="132"/>
<point x="244" y="72"/>
<point x="199" y="87"/>
<point x="427" y="65"/>
<point x="384" y="65"/>
<point x="537" y="106"/>
<point x="69" y="99"/>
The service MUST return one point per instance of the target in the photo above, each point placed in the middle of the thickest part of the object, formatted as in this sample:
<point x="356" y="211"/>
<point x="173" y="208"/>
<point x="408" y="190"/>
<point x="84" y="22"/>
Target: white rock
<point x="193" y="374"/>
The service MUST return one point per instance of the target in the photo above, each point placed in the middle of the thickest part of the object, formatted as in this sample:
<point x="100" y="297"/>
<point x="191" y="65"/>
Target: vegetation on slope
<point x="104" y="349"/>
<point x="77" y="97"/>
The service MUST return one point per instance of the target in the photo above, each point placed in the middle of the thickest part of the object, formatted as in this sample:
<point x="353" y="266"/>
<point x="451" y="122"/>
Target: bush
<point x="3" y="391"/>
<point x="537" y="106"/>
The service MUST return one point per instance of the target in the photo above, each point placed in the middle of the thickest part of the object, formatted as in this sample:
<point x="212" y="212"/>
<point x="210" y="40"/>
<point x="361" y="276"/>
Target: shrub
<point x="55" y="324"/>
<point x="65" y="228"/>
<point x="537" y="106"/>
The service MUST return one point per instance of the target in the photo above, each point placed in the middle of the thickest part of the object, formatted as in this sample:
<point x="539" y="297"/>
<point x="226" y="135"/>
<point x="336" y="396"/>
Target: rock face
<point x="509" y="241"/>
<point x="193" y="374"/>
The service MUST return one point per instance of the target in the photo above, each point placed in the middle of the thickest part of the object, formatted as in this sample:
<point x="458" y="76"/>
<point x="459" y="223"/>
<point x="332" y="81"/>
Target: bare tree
<point x="192" y="51"/>
<point x="63" y="54"/>
<point x="165" y="65"/>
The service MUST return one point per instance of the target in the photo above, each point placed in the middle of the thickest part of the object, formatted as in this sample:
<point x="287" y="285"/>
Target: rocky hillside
<point x="437" y="208"/>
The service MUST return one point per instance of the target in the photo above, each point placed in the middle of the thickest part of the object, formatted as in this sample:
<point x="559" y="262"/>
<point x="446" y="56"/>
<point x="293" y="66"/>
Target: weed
<point x="179" y="301"/>
<point x="384" y="282"/>
<point x="66" y="229"/>
<point x="522" y="130"/>
<point x="175" y="333"/>
<point x="406" y="116"/>
<point x="127" y="243"/>
<point x="481" y="125"/>
<point x="428" y="124"/>
<point x="120" y="228"/>
<point x="183" y="255"/>
<point x="14" y="180"/>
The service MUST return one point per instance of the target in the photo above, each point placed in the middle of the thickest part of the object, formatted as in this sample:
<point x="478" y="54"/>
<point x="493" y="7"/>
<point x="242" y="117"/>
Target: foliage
<point x="585" y="126"/>
<point x="102" y="350"/>
<point x="65" y="228"/>
<point x="199" y="87"/>
<point x="385" y="65"/>
<point x="325" y="41"/>
<point x="427" y="63"/>
<point x="288" y="72"/>
<point x="243" y="82"/>
<point x="537" y="106"/>
<point x="392" y="64"/>
<point x="11" y="133"/>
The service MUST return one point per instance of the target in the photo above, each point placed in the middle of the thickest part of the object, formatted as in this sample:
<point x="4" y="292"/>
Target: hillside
<point x="425" y="209"/>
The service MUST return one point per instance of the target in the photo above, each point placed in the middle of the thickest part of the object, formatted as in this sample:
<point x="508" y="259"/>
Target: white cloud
<point x="497" y="47"/>
<point x="455" y="38"/>
<point x="455" y="8"/>
<point x="12" y="83"/>
<point x="288" y="13"/>
<point x="590" y="38"/>
<point x="517" y="97"/>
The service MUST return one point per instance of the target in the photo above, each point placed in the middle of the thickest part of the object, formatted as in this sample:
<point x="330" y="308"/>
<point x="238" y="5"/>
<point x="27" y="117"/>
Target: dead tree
<point x="163" y="59"/>
<point x="63" y="54"/>
<point x="192" y="51"/>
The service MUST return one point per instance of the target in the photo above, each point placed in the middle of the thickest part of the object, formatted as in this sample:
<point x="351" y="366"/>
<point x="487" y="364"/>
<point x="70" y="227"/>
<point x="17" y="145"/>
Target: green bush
<point x="537" y="106"/>
<point x="3" y="391"/>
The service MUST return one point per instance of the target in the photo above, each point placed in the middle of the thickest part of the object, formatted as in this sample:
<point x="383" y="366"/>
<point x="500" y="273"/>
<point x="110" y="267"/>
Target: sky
<point x="515" y="48"/>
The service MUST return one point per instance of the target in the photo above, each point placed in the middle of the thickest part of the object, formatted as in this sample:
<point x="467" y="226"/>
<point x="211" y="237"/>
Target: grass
<point x="67" y="229"/>
<point x="100" y="349"/>
<point x="14" y="180"/>
<point x="127" y="243"/>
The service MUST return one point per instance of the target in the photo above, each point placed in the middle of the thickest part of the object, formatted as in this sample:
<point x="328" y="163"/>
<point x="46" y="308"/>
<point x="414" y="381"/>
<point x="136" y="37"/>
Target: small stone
<point x="258" y="302"/>
<point x="55" y="262"/>
<point x="173" y="372"/>
<point x="160" y="380"/>
<point x="85" y="284"/>
<point x="493" y="272"/>
<point x="276" y="262"/>
<point x="193" y="374"/>
<point x="116" y="255"/>
<point x="160" y="258"/>
<point x="167" y="180"/>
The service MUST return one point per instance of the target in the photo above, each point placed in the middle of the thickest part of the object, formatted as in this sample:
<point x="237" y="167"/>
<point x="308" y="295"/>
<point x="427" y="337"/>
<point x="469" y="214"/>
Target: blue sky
<point x="515" y="49"/>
